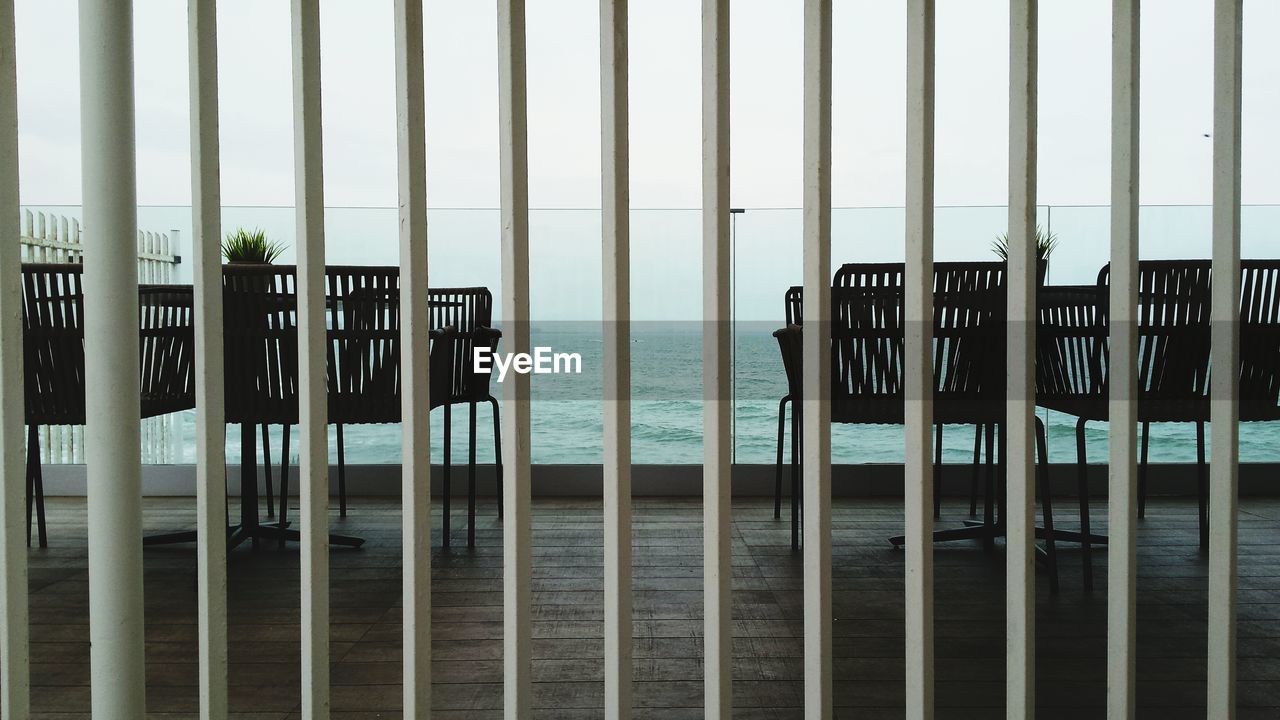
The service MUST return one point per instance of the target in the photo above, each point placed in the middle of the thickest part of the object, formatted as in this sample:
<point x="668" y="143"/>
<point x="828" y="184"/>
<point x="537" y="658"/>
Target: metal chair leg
<point x="266" y="469"/>
<point x="445" y="490"/>
<point x="1142" y="469"/>
<point x="342" y="474"/>
<point x="286" y="430"/>
<point x="471" y="478"/>
<point x="1082" y="490"/>
<point x="1046" y="501"/>
<point x="989" y="507"/>
<point x="1202" y="483"/>
<point x="976" y="479"/>
<point x="777" y="474"/>
<point x="937" y="471"/>
<point x="497" y="451"/>
<point x="795" y="476"/>
<point x="35" y="487"/>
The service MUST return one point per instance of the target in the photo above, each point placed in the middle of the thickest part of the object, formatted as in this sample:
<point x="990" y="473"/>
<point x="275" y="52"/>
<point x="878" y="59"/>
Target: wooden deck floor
<point x="867" y="577"/>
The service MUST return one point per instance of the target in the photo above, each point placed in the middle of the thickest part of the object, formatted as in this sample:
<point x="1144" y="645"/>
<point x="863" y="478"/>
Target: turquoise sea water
<point x="667" y="413"/>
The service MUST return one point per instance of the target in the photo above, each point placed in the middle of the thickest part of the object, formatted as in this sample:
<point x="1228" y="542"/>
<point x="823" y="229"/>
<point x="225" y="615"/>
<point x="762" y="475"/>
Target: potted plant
<point x="250" y="246"/>
<point x="1046" y="242"/>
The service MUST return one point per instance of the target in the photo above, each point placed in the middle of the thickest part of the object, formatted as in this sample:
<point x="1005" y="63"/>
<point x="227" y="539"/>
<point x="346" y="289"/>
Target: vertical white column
<point x="517" y="538"/>
<point x="1020" y="412"/>
<point x="313" y="465"/>
<point x="1122" y="493"/>
<point x="415" y="347"/>
<point x="206" y="240"/>
<point x="717" y="414"/>
<point x="816" y="365"/>
<point x="918" y="370"/>
<point x="14" y="652"/>
<point x="1224" y="380"/>
<point x="615" y="199"/>
<point x="415" y="410"/>
<point x="111" y="360"/>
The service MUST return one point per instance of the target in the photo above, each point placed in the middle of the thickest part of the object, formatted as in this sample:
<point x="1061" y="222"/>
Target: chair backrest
<point x="793" y="305"/>
<point x="363" y="308"/>
<point x="868" y="330"/>
<point x="1071" y="341"/>
<point x="167" y="332"/>
<point x="1173" y="338"/>
<point x="53" y="344"/>
<point x="1260" y="340"/>
<point x="260" y="339"/>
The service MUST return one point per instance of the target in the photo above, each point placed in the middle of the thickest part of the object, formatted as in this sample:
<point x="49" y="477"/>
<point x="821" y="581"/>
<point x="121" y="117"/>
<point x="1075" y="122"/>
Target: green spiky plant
<point x="251" y="246"/>
<point x="1045" y="244"/>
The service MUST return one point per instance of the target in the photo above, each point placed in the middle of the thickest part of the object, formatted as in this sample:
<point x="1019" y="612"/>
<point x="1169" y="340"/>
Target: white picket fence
<point x="49" y="238"/>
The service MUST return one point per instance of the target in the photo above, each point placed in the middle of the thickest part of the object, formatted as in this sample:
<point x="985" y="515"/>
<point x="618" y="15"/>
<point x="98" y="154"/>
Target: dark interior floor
<point x="567" y="596"/>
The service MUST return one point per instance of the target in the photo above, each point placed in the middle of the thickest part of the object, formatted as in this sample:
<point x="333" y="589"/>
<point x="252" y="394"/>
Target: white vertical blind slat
<point x="313" y="466"/>
<point x="918" y="370"/>
<point x="1225" y="342"/>
<point x="616" y="254"/>
<point x="1122" y="495"/>
<point x="717" y="570"/>
<point x="211" y="485"/>
<point x="415" y="347"/>
<point x="14" y="634"/>
<point x="1021" y="279"/>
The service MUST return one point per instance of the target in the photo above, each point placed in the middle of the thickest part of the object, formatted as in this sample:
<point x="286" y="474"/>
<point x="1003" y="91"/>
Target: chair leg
<point x="1046" y="500"/>
<point x="1082" y="490"/>
<point x="471" y="478"/>
<point x="1142" y="469"/>
<point x="976" y="479"/>
<point x="286" y="430"/>
<point x="266" y="470"/>
<point x="35" y="487"/>
<point x="937" y="471"/>
<point x="342" y="474"/>
<point x="777" y="468"/>
<point x="497" y="451"/>
<point x="1202" y="486"/>
<point x="795" y="476"/>
<point x="989" y="505"/>
<point x="445" y="490"/>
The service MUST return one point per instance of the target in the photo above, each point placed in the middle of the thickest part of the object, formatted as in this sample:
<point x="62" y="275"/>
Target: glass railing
<point x="666" y="289"/>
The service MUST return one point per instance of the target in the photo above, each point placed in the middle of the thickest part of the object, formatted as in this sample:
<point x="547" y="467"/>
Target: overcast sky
<point x="563" y="67"/>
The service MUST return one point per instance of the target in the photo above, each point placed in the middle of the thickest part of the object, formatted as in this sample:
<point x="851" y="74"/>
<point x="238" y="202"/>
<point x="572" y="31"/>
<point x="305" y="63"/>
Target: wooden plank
<point x="313" y="465"/>
<point x="112" y="435"/>
<point x="1224" y="401"/>
<point x="717" y="414"/>
<point x="517" y="538"/>
<point x="816" y="370"/>
<point x="1021" y="278"/>
<point x="415" y="346"/>
<point x="211" y="432"/>
<point x="1122" y="494"/>
<point x="14" y="650"/>
<point x="918" y="360"/>
<point x="616" y="253"/>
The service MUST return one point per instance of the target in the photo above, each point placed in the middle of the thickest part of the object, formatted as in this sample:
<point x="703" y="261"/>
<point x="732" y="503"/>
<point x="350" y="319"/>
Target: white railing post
<point x="313" y="467"/>
<point x="116" y="629"/>
<point x="918" y="363"/>
<point x="1122" y="493"/>
<point x="616" y="284"/>
<point x="717" y="416"/>
<point x="415" y="412"/>
<point x="14" y="649"/>
<point x="1021" y="278"/>
<point x="211" y="432"/>
<point x="1224" y="441"/>
<point x="517" y="537"/>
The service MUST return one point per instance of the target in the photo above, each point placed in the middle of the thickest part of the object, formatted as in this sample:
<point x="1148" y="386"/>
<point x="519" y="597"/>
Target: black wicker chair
<point x="969" y="361"/>
<point x="53" y="357"/>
